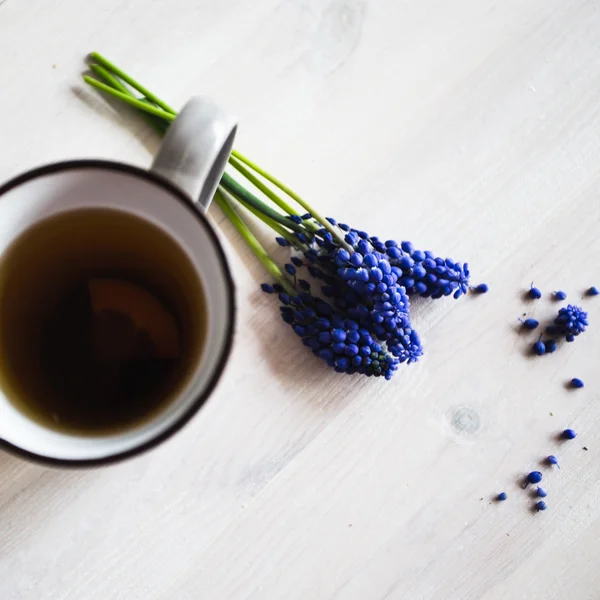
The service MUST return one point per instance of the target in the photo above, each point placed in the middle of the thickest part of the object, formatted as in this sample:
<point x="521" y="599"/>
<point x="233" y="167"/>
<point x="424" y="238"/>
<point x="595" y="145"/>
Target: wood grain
<point x="471" y="128"/>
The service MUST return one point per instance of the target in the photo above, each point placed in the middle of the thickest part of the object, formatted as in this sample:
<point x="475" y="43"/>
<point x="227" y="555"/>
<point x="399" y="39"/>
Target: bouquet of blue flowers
<point x="344" y="292"/>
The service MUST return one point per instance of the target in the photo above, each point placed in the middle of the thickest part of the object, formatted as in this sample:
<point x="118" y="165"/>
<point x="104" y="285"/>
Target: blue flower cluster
<point x="570" y="322"/>
<point x="365" y="286"/>
<point x="420" y="272"/>
<point x="340" y="341"/>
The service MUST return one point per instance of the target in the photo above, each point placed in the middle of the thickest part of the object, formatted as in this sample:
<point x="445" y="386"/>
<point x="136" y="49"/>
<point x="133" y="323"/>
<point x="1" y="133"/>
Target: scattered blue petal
<point x="530" y="323"/>
<point x="534" y="293"/>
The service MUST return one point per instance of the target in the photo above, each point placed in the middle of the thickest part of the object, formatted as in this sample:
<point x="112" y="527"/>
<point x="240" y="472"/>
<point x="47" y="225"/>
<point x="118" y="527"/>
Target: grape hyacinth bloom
<point x="419" y="272"/>
<point x="365" y="286"/>
<point x="339" y="341"/>
<point x="570" y="322"/>
<point x="371" y="280"/>
<point x="427" y="275"/>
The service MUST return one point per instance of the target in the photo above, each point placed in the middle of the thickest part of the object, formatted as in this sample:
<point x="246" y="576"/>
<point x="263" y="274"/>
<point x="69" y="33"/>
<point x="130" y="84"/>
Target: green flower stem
<point x="158" y="124"/>
<point x="335" y="232"/>
<point x="238" y="190"/>
<point x="276" y="227"/>
<point x="110" y="79"/>
<point x="266" y="190"/>
<point x="145" y="106"/>
<point x="132" y="82"/>
<point x="224" y="200"/>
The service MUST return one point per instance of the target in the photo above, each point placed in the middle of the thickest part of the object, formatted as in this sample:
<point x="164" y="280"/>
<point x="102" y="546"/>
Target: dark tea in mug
<point x="102" y="321"/>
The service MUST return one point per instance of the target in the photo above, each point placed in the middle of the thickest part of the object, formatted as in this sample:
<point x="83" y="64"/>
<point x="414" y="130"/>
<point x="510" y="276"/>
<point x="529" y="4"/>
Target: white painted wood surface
<point x="470" y="127"/>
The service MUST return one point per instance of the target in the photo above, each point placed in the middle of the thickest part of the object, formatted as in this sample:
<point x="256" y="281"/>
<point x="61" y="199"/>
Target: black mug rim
<point x="199" y="401"/>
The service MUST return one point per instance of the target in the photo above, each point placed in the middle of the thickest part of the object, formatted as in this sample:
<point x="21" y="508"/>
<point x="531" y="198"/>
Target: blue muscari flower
<point x="420" y="273"/>
<point x="570" y="322"/>
<point x="337" y="339"/>
<point x="372" y="281"/>
<point x="368" y="291"/>
<point x="368" y="285"/>
<point x="427" y="275"/>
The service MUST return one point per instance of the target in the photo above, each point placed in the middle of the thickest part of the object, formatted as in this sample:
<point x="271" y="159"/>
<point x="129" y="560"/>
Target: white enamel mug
<point x="173" y="195"/>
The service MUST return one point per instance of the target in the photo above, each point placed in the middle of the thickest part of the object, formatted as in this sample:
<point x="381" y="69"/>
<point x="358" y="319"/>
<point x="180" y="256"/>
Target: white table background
<point x="470" y="127"/>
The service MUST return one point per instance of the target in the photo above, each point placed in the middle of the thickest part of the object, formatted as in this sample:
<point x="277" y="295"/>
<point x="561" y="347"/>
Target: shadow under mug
<point x="173" y="195"/>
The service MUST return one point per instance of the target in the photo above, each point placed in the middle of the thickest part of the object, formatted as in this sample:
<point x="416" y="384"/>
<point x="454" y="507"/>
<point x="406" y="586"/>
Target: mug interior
<point x="64" y="187"/>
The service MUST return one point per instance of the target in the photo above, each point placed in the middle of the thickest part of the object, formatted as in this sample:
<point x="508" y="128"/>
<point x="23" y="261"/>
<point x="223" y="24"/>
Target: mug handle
<point x="195" y="150"/>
